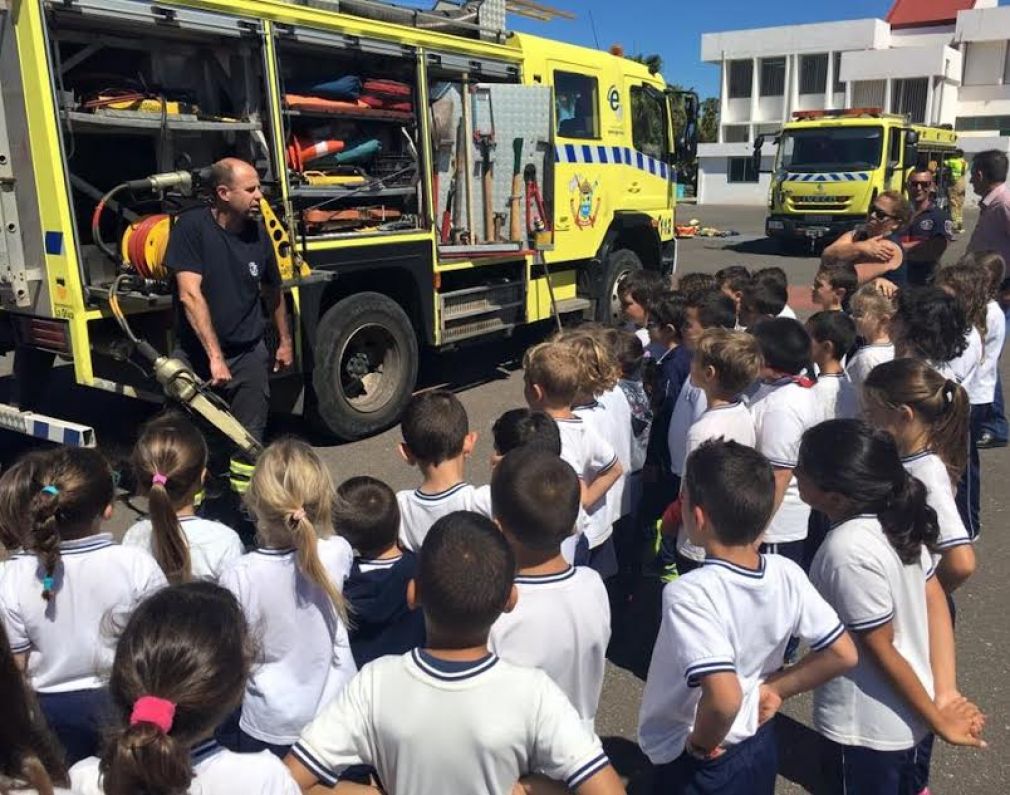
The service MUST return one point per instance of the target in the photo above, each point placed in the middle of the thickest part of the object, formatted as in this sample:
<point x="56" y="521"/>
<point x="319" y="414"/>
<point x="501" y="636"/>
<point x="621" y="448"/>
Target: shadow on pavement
<point x="799" y="754"/>
<point x="630" y="763"/>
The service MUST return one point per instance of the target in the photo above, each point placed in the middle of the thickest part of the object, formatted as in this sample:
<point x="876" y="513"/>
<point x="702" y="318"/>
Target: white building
<point x="941" y="61"/>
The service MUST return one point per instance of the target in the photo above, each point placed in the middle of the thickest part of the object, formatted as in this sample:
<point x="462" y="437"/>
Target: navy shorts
<point x="851" y="768"/>
<point x="603" y="559"/>
<point x="788" y="549"/>
<point x="748" y="768"/>
<point x="77" y="719"/>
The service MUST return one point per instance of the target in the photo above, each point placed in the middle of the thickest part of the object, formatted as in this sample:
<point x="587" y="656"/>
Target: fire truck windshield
<point x="831" y="149"/>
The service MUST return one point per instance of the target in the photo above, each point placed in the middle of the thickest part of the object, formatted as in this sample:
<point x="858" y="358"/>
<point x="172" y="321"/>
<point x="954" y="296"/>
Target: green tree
<point x="708" y="124"/>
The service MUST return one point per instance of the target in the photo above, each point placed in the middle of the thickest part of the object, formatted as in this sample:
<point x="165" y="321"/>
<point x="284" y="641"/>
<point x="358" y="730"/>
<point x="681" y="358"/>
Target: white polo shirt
<point x="590" y="455"/>
<point x="995" y="335"/>
<point x="617" y="411"/>
<point x="96" y="579"/>
<point x="859" y="573"/>
<point x="964" y="368"/>
<point x="927" y="467"/>
<point x="837" y="397"/>
<point x="419" y="511"/>
<point x="865" y="359"/>
<point x="430" y="727"/>
<point x="782" y="411"/>
<point x="212" y="546"/>
<point x="690" y="406"/>
<point x="216" y="771"/>
<point x="305" y="651"/>
<point x="725" y="618"/>
<point x="732" y="422"/>
<point x="561" y="625"/>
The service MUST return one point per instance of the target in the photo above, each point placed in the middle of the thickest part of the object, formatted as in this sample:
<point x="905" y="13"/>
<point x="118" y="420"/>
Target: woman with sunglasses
<point x="874" y="247"/>
<point x="925" y="238"/>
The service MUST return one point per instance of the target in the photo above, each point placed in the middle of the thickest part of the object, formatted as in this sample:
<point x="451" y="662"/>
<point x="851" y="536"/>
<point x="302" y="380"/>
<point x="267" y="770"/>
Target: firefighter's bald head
<point x="236" y="187"/>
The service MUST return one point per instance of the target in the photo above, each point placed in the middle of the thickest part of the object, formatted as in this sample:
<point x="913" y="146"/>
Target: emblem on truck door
<point x="585" y="203"/>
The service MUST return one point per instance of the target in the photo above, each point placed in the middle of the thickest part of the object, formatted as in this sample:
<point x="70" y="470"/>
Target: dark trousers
<point x="794" y="550"/>
<point x="77" y="719"/>
<point x="996" y="424"/>
<point x="968" y="496"/>
<point x="748" y="768"/>
<point x="603" y="559"/>
<point x="248" y="392"/>
<point x="849" y="769"/>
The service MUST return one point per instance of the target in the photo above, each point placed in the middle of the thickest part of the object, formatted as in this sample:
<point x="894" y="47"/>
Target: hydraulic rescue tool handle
<point x="515" y="219"/>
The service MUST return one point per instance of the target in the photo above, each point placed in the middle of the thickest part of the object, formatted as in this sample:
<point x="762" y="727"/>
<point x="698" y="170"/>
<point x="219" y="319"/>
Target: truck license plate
<point x="817" y="219"/>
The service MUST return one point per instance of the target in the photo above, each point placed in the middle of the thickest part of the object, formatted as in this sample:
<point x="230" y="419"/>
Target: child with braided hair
<point x="59" y="590"/>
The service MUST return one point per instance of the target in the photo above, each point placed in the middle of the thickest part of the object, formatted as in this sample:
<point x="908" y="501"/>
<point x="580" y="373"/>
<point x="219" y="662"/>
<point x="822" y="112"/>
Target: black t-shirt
<point x="930" y="223"/>
<point x="234" y="267"/>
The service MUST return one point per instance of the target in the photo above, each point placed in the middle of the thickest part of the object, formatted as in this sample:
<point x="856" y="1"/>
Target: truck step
<point x="50" y="429"/>
<point x="481" y="310"/>
<point x="571" y="305"/>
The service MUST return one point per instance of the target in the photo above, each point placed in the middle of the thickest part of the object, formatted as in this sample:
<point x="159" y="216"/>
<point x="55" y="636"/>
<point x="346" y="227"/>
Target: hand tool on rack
<point x="485" y="141"/>
<point x="515" y="221"/>
<point x="534" y="203"/>
<point x="468" y="155"/>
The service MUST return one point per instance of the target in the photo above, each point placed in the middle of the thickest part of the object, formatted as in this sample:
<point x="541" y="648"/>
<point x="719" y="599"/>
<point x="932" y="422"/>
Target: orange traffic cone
<point x="302" y="150"/>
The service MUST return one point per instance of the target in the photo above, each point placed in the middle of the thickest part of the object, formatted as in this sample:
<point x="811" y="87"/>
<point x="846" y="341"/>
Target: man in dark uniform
<point x="925" y="238"/>
<point x="225" y="270"/>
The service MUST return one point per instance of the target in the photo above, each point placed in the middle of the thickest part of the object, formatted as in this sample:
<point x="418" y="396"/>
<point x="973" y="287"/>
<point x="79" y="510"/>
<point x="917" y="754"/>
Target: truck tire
<point x="365" y="366"/>
<point x="618" y="265"/>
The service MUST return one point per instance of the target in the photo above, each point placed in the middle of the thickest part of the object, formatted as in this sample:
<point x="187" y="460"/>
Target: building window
<point x="909" y="96"/>
<point x="741" y="169"/>
<point x="741" y="75"/>
<point x="995" y="124"/>
<point x="868" y="93"/>
<point x="813" y="74"/>
<point x="839" y="86"/>
<point x="773" y="77"/>
<point x="576" y="105"/>
<point x="648" y="121"/>
<point x="1006" y="64"/>
<point x="735" y="134"/>
<point x="984" y="62"/>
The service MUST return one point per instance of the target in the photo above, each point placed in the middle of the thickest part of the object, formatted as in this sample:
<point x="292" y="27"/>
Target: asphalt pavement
<point x="488" y="380"/>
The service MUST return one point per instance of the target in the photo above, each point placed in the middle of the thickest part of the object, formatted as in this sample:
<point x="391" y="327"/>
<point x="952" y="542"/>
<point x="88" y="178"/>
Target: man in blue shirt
<point x="925" y="238"/>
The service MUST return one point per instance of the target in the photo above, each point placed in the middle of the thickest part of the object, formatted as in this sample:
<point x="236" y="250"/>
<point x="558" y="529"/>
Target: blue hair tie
<point x="48" y="582"/>
<point x="51" y="490"/>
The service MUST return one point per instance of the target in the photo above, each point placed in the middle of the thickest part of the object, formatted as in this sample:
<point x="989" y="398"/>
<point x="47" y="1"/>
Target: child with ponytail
<point x="927" y="415"/>
<point x="181" y="666"/>
<point x="876" y="570"/>
<point x="170" y="462"/>
<point x="57" y="592"/>
<point x="290" y="589"/>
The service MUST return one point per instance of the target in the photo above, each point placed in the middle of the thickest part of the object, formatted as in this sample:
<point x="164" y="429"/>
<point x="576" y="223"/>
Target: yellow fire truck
<point x="831" y="164"/>
<point x="432" y="179"/>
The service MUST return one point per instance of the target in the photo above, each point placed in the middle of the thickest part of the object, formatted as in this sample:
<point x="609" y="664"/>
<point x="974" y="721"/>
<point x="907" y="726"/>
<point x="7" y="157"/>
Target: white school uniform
<point x="482" y="505"/>
<point x="431" y="727"/>
<point x="216" y="771"/>
<point x="782" y="411"/>
<point x="995" y="336"/>
<point x="690" y="406"/>
<point x="561" y="625"/>
<point x="859" y="573"/>
<point x="97" y="581"/>
<point x="419" y="511"/>
<point x="725" y="618"/>
<point x="837" y="397"/>
<point x="306" y="653"/>
<point x="732" y="422"/>
<point x="610" y="416"/>
<point x="787" y="311"/>
<point x="590" y="455"/>
<point x="865" y="359"/>
<point x="964" y="368"/>
<point x="927" y="467"/>
<point x="213" y="546"/>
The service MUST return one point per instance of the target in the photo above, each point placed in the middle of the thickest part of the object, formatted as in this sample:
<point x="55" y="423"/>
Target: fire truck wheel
<point x="366" y="365"/>
<point x="619" y="264"/>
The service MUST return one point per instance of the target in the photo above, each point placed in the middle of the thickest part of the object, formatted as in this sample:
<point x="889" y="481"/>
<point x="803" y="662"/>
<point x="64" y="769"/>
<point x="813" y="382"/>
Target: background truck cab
<point x="830" y="166"/>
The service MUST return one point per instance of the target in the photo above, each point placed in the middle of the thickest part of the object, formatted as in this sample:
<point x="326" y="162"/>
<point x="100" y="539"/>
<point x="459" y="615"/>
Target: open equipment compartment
<point x="145" y="89"/>
<point x="349" y="110"/>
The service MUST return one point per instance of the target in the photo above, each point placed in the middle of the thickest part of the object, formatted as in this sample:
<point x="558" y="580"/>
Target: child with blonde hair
<point x="872" y="312"/>
<point x="170" y="463"/>
<point x="290" y="588"/>
<point x="602" y="405"/>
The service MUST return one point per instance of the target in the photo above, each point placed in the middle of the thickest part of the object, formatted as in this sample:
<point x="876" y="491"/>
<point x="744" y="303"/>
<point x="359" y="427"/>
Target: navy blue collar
<point x="732" y="405"/>
<point x="440" y="495"/>
<point x="840" y="522"/>
<point x="87" y="544"/>
<point x="754" y="574"/>
<point x="203" y="751"/>
<point x="544" y="579"/>
<point x="274" y="553"/>
<point x="595" y="404"/>
<point x="451" y="670"/>
<point x="917" y="456"/>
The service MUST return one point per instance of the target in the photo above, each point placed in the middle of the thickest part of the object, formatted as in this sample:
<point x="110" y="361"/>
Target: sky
<point x="673" y="28"/>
